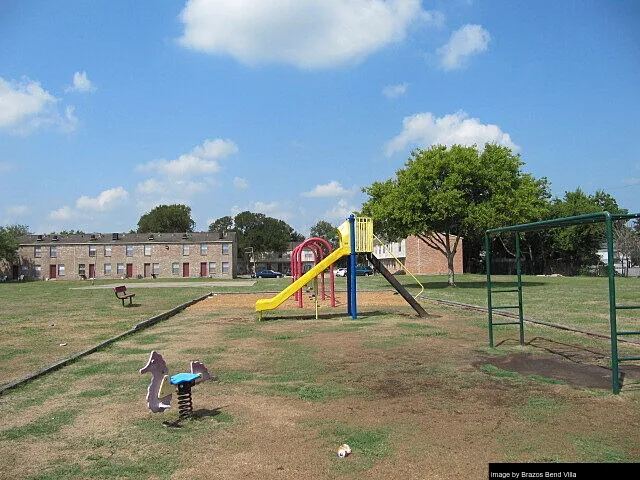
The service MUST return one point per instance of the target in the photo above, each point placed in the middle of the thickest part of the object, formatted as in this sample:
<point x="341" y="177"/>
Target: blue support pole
<point x="353" y="308"/>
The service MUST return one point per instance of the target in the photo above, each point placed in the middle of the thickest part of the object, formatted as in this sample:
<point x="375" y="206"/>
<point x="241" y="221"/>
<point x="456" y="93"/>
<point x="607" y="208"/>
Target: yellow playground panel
<point x="364" y="234"/>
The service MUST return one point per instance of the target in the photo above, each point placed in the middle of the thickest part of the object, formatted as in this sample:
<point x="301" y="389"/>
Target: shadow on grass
<point x="196" y="415"/>
<point x="330" y="316"/>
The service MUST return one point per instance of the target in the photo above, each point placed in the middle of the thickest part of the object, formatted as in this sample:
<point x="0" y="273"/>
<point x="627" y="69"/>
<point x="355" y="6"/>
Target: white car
<point x="340" y="272"/>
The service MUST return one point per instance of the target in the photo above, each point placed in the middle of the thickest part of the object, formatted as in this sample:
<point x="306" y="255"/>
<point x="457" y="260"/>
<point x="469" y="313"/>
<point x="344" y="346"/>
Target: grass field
<point x="409" y="395"/>
<point x="39" y="317"/>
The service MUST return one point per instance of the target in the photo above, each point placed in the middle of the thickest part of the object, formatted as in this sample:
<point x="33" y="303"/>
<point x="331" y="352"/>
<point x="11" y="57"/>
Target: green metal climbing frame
<point x="606" y="217"/>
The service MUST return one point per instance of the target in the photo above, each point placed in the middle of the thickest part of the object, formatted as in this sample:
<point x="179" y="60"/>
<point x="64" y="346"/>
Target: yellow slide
<point x="274" y="302"/>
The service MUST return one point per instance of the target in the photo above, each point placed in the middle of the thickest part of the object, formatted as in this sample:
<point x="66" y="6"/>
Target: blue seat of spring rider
<point x="184" y="378"/>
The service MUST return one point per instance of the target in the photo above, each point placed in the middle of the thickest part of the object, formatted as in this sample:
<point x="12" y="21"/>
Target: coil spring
<point x="185" y="405"/>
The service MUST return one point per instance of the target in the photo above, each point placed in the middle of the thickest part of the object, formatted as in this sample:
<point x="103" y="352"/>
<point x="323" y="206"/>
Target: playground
<point x="414" y="396"/>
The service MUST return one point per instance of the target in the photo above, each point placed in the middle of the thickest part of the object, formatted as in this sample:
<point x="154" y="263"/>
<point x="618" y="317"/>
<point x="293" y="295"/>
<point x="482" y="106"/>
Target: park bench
<point x="121" y="293"/>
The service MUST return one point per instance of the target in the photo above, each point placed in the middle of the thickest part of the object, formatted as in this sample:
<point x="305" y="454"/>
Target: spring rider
<point x="162" y="386"/>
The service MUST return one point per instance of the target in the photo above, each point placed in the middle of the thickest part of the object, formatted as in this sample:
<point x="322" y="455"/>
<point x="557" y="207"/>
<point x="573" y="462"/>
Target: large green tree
<point x="222" y="224"/>
<point x="324" y="229"/>
<point x="446" y="193"/>
<point x="9" y="241"/>
<point x="258" y="231"/>
<point x="167" y="219"/>
<point x="577" y="245"/>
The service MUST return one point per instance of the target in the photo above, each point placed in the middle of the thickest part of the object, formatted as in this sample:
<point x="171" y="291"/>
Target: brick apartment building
<point x="126" y="255"/>
<point x="417" y="256"/>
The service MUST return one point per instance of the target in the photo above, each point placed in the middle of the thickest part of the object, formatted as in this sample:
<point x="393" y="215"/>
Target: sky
<point x="110" y="108"/>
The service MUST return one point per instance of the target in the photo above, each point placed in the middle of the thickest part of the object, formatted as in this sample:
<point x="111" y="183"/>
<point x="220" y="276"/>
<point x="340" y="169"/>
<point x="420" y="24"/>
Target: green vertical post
<point x="487" y="259"/>
<point x="615" y="381"/>
<point x="519" y="273"/>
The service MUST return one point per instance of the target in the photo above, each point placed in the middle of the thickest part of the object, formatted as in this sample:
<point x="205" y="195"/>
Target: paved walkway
<point x="247" y="283"/>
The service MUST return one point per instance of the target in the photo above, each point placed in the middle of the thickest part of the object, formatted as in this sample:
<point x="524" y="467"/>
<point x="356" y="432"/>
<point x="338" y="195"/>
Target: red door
<point x="185" y="270"/>
<point x="92" y="270"/>
<point x="129" y="270"/>
<point x="52" y="271"/>
<point x="203" y="269"/>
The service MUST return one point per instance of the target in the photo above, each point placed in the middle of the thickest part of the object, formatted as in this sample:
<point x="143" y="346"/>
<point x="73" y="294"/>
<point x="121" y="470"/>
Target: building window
<point x="203" y="249"/>
<point x="212" y="267"/>
<point x="175" y="268"/>
<point x="92" y="250"/>
<point x="37" y="269"/>
<point x="225" y="267"/>
<point x="107" y="269"/>
<point x="225" y="248"/>
<point x="120" y="268"/>
<point x="129" y="250"/>
<point x="156" y="269"/>
<point x="53" y="251"/>
<point x="37" y="252"/>
<point x="147" y="250"/>
<point x="61" y="269"/>
<point x="107" y="250"/>
<point x="185" y="249"/>
<point x="81" y="269"/>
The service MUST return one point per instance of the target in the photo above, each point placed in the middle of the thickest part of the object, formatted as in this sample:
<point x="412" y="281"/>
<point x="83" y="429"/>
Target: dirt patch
<point x="569" y="363"/>
<point x="365" y="300"/>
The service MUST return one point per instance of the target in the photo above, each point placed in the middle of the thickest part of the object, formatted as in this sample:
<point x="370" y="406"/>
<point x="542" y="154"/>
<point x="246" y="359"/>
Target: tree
<point x="9" y="241"/>
<point x="324" y="229"/>
<point x="444" y="194"/>
<point x="578" y="245"/>
<point x="258" y="231"/>
<point x="222" y="224"/>
<point x="167" y="219"/>
<point x="627" y="246"/>
<point x="69" y="232"/>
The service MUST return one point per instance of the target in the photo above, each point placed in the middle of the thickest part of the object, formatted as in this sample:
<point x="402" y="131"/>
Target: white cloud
<point x="81" y="83"/>
<point x="394" y="91"/>
<point x="20" y="101"/>
<point x="277" y="210"/>
<point x="331" y="189"/>
<point x="62" y="214"/>
<point x="106" y="200"/>
<point x="464" y="42"/>
<point x="424" y="130"/>
<point x="25" y="106"/>
<point x="240" y="183"/>
<point x="200" y="161"/>
<point x="339" y="212"/>
<point x="217" y="148"/>
<point x="307" y="34"/>
<point x="90" y="209"/>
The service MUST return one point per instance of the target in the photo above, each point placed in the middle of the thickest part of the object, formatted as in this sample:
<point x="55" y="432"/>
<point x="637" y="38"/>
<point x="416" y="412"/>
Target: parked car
<point x="268" y="274"/>
<point x="364" y="270"/>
